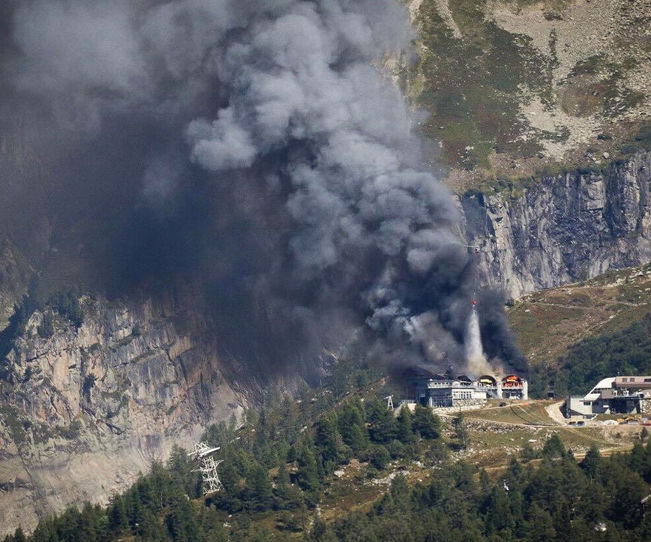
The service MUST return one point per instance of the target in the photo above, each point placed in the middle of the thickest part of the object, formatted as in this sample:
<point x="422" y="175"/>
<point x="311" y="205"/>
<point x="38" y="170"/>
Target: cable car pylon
<point x="207" y="467"/>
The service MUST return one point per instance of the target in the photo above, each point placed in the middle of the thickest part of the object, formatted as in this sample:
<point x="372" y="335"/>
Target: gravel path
<point x="554" y="411"/>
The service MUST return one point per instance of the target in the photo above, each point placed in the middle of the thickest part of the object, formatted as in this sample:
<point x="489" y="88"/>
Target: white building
<point x="614" y="395"/>
<point x="445" y="391"/>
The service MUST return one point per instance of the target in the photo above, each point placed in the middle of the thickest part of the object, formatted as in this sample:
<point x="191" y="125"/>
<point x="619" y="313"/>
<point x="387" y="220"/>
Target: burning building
<point x="433" y="390"/>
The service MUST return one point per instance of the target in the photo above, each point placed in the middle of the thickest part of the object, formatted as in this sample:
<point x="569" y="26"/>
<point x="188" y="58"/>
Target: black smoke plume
<point x="254" y="144"/>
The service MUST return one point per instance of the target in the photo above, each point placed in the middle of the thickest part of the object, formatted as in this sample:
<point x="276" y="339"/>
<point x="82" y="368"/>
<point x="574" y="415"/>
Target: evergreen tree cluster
<point x="304" y="459"/>
<point x="65" y="304"/>
<point x="597" y="499"/>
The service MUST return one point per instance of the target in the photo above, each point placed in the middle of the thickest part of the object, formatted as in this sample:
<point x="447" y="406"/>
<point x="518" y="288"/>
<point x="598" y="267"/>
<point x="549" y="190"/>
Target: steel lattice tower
<point x="207" y="467"/>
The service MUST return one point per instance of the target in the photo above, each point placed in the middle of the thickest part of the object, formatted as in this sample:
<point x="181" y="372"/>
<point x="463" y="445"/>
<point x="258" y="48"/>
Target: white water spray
<point x="477" y="362"/>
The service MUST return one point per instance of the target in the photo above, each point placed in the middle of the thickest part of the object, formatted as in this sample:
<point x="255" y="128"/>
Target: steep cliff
<point x="562" y="229"/>
<point x="85" y="406"/>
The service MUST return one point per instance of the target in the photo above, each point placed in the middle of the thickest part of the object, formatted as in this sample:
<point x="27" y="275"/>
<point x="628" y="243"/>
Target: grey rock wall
<point x="563" y="229"/>
<point x="84" y="411"/>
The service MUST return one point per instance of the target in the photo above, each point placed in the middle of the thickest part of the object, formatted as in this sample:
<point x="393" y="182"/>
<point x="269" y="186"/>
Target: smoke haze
<point x="252" y="144"/>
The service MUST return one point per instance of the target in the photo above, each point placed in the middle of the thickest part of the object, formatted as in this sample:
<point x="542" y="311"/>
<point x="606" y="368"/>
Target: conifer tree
<point x="328" y="442"/>
<point x="320" y="531"/>
<point x="498" y="513"/>
<point x="626" y="508"/>
<point x="19" y="535"/>
<point x="553" y="447"/>
<point x="229" y="478"/>
<point x="462" y="431"/>
<point x="426" y="423"/>
<point x="383" y="425"/>
<point x="352" y="426"/>
<point x="288" y="496"/>
<point x="308" y="475"/>
<point x="212" y="525"/>
<point x="147" y="525"/>
<point x="259" y="488"/>
<point x="379" y="456"/>
<point x="540" y="526"/>
<point x="181" y="522"/>
<point x="180" y="468"/>
<point x="117" y="515"/>
<point x="86" y="530"/>
<point x="484" y="481"/>
<point x="44" y="532"/>
<point x="527" y="453"/>
<point x="146" y="495"/>
<point x="405" y="426"/>
<point x="637" y="458"/>
<point x="591" y="461"/>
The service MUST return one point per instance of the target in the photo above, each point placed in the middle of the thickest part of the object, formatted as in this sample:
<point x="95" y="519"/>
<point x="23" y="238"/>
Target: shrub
<point x="379" y="457"/>
<point x="629" y="149"/>
<point x="426" y="423"/>
<point x="644" y="134"/>
<point x="396" y="449"/>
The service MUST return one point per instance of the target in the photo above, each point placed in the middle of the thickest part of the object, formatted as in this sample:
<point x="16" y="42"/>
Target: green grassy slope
<point x="514" y="88"/>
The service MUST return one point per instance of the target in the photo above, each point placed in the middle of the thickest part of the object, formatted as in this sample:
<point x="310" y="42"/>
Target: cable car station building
<point x="435" y="390"/>
<point x="614" y="395"/>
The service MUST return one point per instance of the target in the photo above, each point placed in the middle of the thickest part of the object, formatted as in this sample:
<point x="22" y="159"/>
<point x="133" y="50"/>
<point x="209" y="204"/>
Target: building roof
<point x="595" y="393"/>
<point x="615" y="382"/>
<point x="606" y="383"/>
<point x="633" y="382"/>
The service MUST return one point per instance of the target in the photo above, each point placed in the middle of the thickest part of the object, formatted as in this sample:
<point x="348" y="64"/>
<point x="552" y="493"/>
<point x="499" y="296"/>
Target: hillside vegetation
<point x="575" y="335"/>
<point x="514" y="87"/>
<point x="626" y="352"/>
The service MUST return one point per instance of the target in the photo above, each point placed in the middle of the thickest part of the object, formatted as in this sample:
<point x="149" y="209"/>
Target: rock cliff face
<point x="83" y="410"/>
<point x="564" y="228"/>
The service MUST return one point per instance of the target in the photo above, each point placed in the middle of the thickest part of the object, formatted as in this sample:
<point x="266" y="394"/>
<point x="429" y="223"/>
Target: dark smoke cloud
<point x="253" y="144"/>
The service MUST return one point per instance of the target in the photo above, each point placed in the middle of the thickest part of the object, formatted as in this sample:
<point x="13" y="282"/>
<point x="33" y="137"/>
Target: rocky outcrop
<point x="563" y="228"/>
<point x="84" y="410"/>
